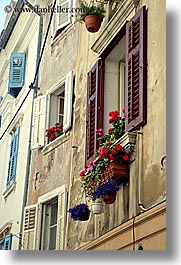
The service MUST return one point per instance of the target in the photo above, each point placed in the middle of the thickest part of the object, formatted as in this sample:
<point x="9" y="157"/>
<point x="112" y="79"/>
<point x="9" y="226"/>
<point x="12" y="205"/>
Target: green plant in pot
<point x="92" y="14"/>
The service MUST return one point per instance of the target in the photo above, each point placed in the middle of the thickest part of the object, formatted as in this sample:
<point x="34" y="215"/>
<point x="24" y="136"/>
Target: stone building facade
<point x="126" y="56"/>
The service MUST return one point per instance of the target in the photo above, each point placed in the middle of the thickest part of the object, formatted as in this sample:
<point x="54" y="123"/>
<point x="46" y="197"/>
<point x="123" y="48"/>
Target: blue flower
<point x="109" y="187"/>
<point x="80" y="212"/>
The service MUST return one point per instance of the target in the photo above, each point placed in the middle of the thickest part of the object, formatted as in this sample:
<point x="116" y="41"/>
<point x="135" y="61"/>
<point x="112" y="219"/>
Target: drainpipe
<point x="31" y="121"/>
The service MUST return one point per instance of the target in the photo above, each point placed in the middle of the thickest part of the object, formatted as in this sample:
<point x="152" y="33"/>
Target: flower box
<point x="118" y="172"/>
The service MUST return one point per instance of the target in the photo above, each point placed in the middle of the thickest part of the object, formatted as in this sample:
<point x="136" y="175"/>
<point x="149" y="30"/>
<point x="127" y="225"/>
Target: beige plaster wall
<point x="147" y="175"/>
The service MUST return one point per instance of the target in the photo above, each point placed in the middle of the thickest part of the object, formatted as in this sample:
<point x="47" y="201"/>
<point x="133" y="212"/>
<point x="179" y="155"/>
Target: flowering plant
<point x="54" y="132"/>
<point x="80" y="212"/>
<point x="109" y="187"/>
<point x="108" y="151"/>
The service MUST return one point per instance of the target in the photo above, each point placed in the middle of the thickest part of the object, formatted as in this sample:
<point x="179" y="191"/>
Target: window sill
<point x="9" y="190"/>
<point x="61" y="36"/>
<point x="128" y="141"/>
<point x="57" y="142"/>
<point x="21" y="93"/>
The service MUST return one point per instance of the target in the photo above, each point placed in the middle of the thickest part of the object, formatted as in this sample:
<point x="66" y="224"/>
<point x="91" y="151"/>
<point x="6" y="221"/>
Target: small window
<point x="5" y="243"/>
<point x="57" y="99"/>
<point x="49" y="225"/>
<point x="63" y="18"/>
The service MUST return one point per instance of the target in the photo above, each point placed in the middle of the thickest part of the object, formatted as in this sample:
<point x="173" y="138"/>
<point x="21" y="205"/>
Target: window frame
<point x="56" y="28"/>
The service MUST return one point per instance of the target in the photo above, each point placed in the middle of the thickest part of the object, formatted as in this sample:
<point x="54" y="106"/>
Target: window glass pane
<point x="49" y="224"/>
<point x="53" y="214"/>
<point x="53" y="232"/>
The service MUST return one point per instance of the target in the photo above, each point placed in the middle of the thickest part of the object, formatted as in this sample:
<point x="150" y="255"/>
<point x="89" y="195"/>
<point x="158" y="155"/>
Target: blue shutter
<point x="1" y="99"/>
<point x="16" y="73"/>
<point x="8" y="242"/>
<point x="13" y="157"/>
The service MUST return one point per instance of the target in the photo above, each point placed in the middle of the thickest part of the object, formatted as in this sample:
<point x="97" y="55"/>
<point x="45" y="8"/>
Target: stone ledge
<point x="9" y="190"/>
<point x="57" y="142"/>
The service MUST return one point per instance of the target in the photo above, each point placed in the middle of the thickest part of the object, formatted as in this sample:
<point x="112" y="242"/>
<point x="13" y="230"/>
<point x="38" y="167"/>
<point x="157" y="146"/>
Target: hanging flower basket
<point x="107" y="190"/>
<point x="80" y="212"/>
<point x="109" y="198"/>
<point x="92" y="22"/>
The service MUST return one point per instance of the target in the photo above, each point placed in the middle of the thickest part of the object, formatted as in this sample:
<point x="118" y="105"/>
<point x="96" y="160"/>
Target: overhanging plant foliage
<point x="94" y="8"/>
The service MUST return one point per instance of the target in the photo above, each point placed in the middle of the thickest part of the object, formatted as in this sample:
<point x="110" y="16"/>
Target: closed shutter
<point x="8" y="242"/>
<point x="13" y="157"/>
<point x="62" y="205"/>
<point x="16" y="73"/>
<point x="63" y="18"/>
<point x="29" y="227"/>
<point x="38" y="125"/>
<point x="67" y="120"/>
<point x="95" y="108"/>
<point x="136" y="71"/>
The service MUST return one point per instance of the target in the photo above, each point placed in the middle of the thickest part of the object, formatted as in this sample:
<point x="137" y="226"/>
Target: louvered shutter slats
<point x="63" y="18"/>
<point x="136" y="45"/>
<point x="29" y="227"/>
<point x="94" y="117"/>
<point x="38" y="125"/>
<point x="8" y="242"/>
<point x="16" y="73"/>
<point x="13" y="157"/>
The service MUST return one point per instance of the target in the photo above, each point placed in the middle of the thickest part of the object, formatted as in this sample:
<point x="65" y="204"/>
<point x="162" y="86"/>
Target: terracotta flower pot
<point x="109" y="198"/>
<point x="92" y="23"/>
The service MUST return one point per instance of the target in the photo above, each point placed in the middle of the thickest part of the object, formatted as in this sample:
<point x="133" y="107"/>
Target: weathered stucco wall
<point x="50" y="167"/>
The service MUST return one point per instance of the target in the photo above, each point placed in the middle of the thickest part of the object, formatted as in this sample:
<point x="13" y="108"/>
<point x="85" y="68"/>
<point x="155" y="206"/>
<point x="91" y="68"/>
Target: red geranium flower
<point x="126" y="157"/>
<point x="118" y="147"/>
<point x="111" y="156"/>
<point x="52" y="137"/>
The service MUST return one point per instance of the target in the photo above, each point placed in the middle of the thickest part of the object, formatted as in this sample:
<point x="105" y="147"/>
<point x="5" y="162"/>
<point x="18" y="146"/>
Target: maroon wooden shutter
<point x="94" y="119"/>
<point x="136" y="71"/>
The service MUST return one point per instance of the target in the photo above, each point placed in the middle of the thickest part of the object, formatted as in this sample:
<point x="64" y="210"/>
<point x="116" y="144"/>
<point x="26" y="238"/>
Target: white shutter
<point x="63" y="19"/>
<point x="29" y="227"/>
<point x="62" y="205"/>
<point x="68" y="102"/>
<point x="38" y="126"/>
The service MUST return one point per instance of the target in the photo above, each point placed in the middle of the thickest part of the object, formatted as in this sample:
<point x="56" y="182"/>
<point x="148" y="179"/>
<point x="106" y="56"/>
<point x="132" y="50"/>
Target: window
<point x="49" y="225"/>
<point x="57" y="99"/>
<point x="44" y="223"/>
<point x="61" y="19"/>
<point x="114" y="80"/>
<point x="16" y="73"/>
<point x="54" y="107"/>
<point x="0" y="120"/>
<point x="124" y="68"/>
<point x="13" y="157"/>
<point x="5" y="243"/>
